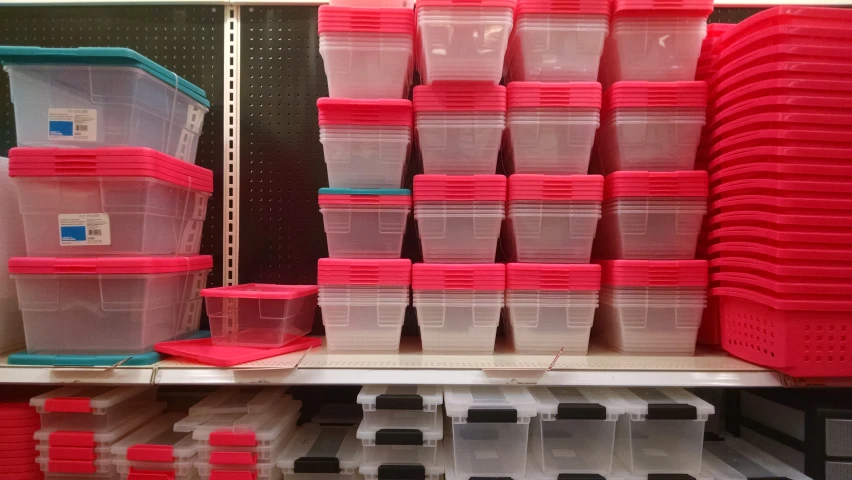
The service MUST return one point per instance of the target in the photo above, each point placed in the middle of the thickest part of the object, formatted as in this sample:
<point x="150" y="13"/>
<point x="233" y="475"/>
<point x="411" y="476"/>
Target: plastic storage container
<point x="109" y="201"/>
<point x="459" y="127"/>
<point x="227" y="431"/>
<point x="651" y="307"/>
<point x="156" y="450"/>
<point x="458" y="305"/>
<point x="735" y="459"/>
<point x="551" y="126"/>
<point x="459" y="218"/>
<point x="270" y="439"/>
<point x="550" y="308"/>
<point x="463" y="40"/>
<point x="90" y="408"/>
<point x="490" y="427"/>
<point x="315" y="452"/>
<point x="102" y="97"/>
<point x="557" y="40"/>
<point x="651" y="215"/>
<point x="260" y="471"/>
<point x="108" y="305"/>
<point x="260" y="315"/>
<point x="656" y="41"/>
<point x="398" y="445"/>
<point x="365" y="142"/>
<point x="363" y="303"/>
<point x="401" y="406"/>
<point x="239" y="400"/>
<point x="574" y="431"/>
<point x="662" y="430"/>
<point x="363" y="223"/>
<point x="651" y="126"/>
<point x="338" y="415"/>
<point x="393" y="469"/>
<point x="553" y="218"/>
<point x="367" y="52"/>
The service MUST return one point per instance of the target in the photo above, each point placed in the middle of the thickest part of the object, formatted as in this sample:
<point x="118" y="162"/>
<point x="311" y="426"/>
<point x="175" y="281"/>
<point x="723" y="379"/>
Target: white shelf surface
<point x="59" y="375"/>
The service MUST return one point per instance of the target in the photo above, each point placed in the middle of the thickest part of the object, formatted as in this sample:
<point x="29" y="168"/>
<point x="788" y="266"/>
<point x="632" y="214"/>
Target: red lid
<point x="563" y="7"/>
<point x="233" y="458"/>
<point x="766" y="249"/>
<point x="538" y="94"/>
<point x="63" y="438"/>
<point x="17" y="410"/>
<point x="541" y="276"/>
<point x="466" y="188"/>
<point x="772" y="235"/>
<point x="779" y="156"/>
<point x="138" y="474"/>
<point x="335" y="271"/>
<point x="654" y="273"/>
<point x="467" y="3"/>
<point x="782" y="44"/>
<point x="773" y="268"/>
<point x="780" y="104"/>
<point x="151" y="453"/>
<point x="655" y="95"/>
<point x="437" y="276"/>
<point x="68" y="404"/>
<point x="656" y="184"/>
<point x="107" y="162"/>
<point x="793" y="15"/>
<point x="788" y="86"/>
<point x="556" y="187"/>
<point x="663" y="8"/>
<point x="363" y="197"/>
<point x="344" y="111"/>
<point x="334" y="19"/>
<point x="459" y="97"/>
<point x="781" y="138"/>
<point x="22" y="422"/>
<point x="261" y="291"/>
<point x="226" y="438"/>
<point x="232" y="475"/>
<point x="782" y="121"/>
<point x="56" y="452"/>
<point x="726" y="81"/>
<point x="108" y="265"/>
<point x="716" y="30"/>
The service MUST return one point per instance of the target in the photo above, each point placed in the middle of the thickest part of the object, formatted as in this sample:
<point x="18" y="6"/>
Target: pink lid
<point x="150" y="453"/>
<point x="467" y="188"/>
<point x="467" y="3"/>
<point x="785" y="44"/>
<point x="335" y="271"/>
<point x="788" y="15"/>
<point x="228" y="438"/>
<point x="459" y="97"/>
<point x="779" y="157"/>
<point x="261" y="291"/>
<point x="663" y="8"/>
<point x="438" y="276"/>
<point x="655" y="184"/>
<point x="654" y="273"/>
<point x="108" y="265"/>
<point x="781" y="138"/>
<point x="716" y="30"/>
<point x="556" y="187"/>
<point x="364" y="199"/>
<point x="788" y="86"/>
<point x="107" y="162"/>
<point x="68" y="405"/>
<point x="538" y="94"/>
<point x="233" y="458"/>
<point x="344" y="111"/>
<point x="335" y="19"/>
<point x="773" y="268"/>
<point x="563" y="7"/>
<point x="782" y="121"/>
<point x="655" y="95"/>
<point x="793" y="254"/>
<point x="726" y="80"/>
<point x="780" y="104"/>
<point x="542" y="276"/>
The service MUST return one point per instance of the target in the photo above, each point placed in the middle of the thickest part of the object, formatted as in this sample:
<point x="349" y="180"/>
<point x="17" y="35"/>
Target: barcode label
<point x="95" y="232"/>
<point x="76" y="124"/>
<point x="81" y="128"/>
<point x="84" y="229"/>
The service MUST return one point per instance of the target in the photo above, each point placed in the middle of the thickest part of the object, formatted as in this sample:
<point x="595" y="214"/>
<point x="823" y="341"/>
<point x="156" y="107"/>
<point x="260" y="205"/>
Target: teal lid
<point x="364" y="191"/>
<point x="108" y="56"/>
<point x="47" y="360"/>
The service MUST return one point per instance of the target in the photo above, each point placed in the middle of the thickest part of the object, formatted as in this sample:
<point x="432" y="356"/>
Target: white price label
<point x="81" y="229"/>
<point x="79" y="124"/>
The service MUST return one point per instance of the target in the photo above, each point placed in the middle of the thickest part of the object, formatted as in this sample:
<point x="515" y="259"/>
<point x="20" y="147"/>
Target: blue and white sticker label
<point x="82" y="229"/>
<point x="78" y="124"/>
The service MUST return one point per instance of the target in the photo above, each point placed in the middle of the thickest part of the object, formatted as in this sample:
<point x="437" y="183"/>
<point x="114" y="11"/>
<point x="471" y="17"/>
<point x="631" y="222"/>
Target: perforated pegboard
<point x="186" y="40"/>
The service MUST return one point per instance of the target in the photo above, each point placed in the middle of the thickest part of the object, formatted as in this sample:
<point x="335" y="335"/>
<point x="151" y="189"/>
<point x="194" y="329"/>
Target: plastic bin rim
<point x="263" y="291"/>
<point x="108" y="265"/>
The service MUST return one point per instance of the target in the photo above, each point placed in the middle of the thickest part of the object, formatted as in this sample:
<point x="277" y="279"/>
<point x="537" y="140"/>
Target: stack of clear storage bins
<point x="157" y="451"/>
<point x="320" y="452"/>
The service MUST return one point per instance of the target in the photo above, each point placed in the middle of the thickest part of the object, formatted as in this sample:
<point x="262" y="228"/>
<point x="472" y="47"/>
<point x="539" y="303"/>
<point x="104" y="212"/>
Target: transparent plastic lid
<point x="735" y="459"/>
<point x="571" y="403"/>
<point x="644" y="403"/>
<point x="91" y="400"/>
<point x="619" y="472"/>
<point x="58" y="437"/>
<point x="239" y="400"/>
<point x="339" y="415"/>
<point x="319" y="449"/>
<point x="396" y="471"/>
<point x="401" y="397"/>
<point x="240" y="429"/>
<point x="425" y="435"/>
<point x="487" y="404"/>
<point x="157" y="442"/>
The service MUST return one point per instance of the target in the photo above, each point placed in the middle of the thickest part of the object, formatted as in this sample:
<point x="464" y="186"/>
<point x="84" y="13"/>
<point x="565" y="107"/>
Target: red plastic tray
<point x="770" y="235"/>
<point x="785" y="86"/>
<point x="780" y="104"/>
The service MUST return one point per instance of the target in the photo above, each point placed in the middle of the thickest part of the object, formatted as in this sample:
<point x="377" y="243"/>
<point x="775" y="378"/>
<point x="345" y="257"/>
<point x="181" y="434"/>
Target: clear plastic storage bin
<point x="366" y="143"/>
<point x="550" y="308"/>
<point x="490" y="428"/>
<point x="458" y="306"/>
<point x="260" y="315"/>
<point x="656" y="41"/>
<point x="736" y="459"/>
<point x="90" y="408"/>
<point x="109" y="202"/>
<point x="459" y="127"/>
<point x="260" y="471"/>
<point x="662" y="430"/>
<point x="321" y="453"/>
<point x="651" y="215"/>
<point x="102" y="97"/>
<point x="574" y="431"/>
<point x="362" y="223"/>
<point x="108" y="305"/>
<point x="398" y="445"/>
<point x="459" y="218"/>
<point x="240" y="399"/>
<point x="396" y="467"/>
<point x="553" y="218"/>
<point x="651" y="126"/>
<point x="367" y="52"/>
<point x="338" y="415"/>
<point x="401" y="406"/>
<point x="463" y="40"/>
<point x="363" y="303"/>
<point x="156" y="448"/>
<point x="551" y="127"/>
<point x="651" y="307"/>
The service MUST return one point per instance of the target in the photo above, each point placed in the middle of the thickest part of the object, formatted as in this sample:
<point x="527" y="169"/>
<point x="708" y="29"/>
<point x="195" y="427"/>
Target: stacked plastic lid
<point x="18" y="423"/>
<point x="730" y="458"/>
<point x="316" y="449"/>
<point x="156" y="451"/>
<point x="367" y="52"/>
<point x="80" y="425"/>
<point x="709" y="52"/>
<point x="780" y="189"/>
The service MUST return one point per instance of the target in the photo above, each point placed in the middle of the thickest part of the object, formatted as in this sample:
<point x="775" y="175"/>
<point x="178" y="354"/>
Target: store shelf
<point x="92" y="375"/>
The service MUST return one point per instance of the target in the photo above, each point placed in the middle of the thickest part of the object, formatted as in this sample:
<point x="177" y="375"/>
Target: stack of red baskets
<point x="18" y="424"/>
<point x="780" y="217"/>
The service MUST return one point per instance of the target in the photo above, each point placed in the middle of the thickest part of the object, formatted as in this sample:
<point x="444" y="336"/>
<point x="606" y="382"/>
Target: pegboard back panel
<point x="186" y="40"/>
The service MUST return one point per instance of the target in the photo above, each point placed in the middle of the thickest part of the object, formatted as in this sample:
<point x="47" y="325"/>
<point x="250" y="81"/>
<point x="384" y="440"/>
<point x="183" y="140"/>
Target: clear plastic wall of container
<point x="364" y="231"/>
<point x="459" y="233"/>
<point x="401" y="406"/>
<point x="458" y="321"/>
<point x="550" y="321"/>
<point x="321" y="453"/>
<point x="240" y="399"/>
<point x="363" y="317"/>
<point x="107" y="407"/>
<point x="550" y="140"/>
<point x="736" y="459"/>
